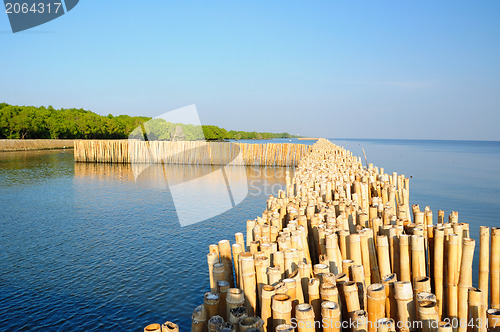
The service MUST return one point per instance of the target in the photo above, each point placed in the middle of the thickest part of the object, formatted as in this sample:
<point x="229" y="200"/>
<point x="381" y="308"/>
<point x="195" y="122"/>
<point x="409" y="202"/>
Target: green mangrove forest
<point x="31" y="122"/>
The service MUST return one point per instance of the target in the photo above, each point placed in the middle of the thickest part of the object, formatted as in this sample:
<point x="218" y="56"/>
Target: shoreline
<point x="12" y="145"/>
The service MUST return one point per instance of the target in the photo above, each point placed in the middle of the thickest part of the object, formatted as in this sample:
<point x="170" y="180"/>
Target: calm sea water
<point x="87" y="248"/>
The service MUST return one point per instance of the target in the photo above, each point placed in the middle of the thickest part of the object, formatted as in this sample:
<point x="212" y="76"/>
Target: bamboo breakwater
<point x="341" y="249"/>
<point x="189" y="152"/>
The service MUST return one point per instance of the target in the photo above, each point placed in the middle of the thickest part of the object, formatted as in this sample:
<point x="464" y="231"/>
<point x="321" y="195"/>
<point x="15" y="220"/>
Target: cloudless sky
<point x="365" y="69"/>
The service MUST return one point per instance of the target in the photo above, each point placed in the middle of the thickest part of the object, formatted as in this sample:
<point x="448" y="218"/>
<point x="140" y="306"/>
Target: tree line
<point x="30" y="122"/>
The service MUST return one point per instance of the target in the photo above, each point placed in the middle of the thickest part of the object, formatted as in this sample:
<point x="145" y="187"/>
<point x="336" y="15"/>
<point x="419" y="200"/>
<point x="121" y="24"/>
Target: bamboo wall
<point x="189" y="152"/>
<point x="34" y="144"/>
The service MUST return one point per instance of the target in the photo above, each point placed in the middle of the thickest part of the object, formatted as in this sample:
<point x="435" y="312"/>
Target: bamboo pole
<point x="153" y="328"/>
<point x="465" y="281"/>
<point x="438" y="268"/>
<point x="236" y="314"/>
<point x="305" y="318"/>
<point x="493" y="320"/>
<point x="350" y="290"/>
<point x="266" y="312"/>
<point x="391" y="308"/>
<point x="330" y="313"/>
<point x="406" y="305"/>
<point x="282" y="309"/>
<point x="212" y="258"/>
<point x="238" y="248"/>
<point x="386" y="325"/>
<point x="376" y="304"/>
<point x="234" y="299"/>
<point x="427" y="311"/>
<point x="199" y="318"/>
<point x="285" y="328"/>
<point x="314" y="297"/>
<point x="211" y="304"/>
<point x="360" y="321"/>
<point x="225" y="257"/>
<point x="495" y="268"/>
<point x="169" y="327"/>
<point x="384" y="261"/>
<point x="452" y="302"/>
<point x="222" y="289"/>
<point x="250" y="324"/>
<point x="484" y="262"/>
<point x="476" y="311"/>
<point x="418" y="256"/>
<point x="365" y="255"/>
<point x="249" y="281"/>
<point x="214" y="323"/>
<point x="404" y="256"/>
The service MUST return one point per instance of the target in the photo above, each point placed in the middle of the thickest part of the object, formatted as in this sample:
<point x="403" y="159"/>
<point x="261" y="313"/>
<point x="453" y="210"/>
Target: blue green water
<point x="87" y="248"/>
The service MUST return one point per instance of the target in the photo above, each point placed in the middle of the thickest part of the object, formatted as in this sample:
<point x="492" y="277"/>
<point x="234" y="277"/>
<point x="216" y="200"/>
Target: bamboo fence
<point x="344" y="250"/>
<point x="189" y="152"/>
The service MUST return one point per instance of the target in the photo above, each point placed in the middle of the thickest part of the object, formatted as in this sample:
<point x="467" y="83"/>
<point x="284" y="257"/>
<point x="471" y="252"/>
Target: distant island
<point x="31" y="122"/>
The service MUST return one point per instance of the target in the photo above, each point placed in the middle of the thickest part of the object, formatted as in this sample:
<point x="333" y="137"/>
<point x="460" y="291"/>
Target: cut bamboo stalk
<point x="198" y="319"/>
<point x="386" y="325"/>
<point x="266" y="312"/>
<point x="384" y="261"/>
<point x="391" y="308"/>
<point x="476" y="310"/>
<point x="222" y="289"/>
<point x="331" y="252"/>
<point x="282" y="309"/>
<point x="484" y="262"/>
<point x="261" y="265"/>
<point x="465" y="282"/>
<point x="234" y="298"/>
<point x="212" y="258"/>
<point x="305" y="271"/>
<point x="438" y="268"/>
<point x="225" y="257"/>
<point x="355" y="249"/>
<point x="365" y="255"/>
<point x="495" y="268"/>
<point x="228" y="327"/>
<point x="444" y="326"/>
<point x="346" y="267"/>
<point x="376" y="304"/>
<point x="236" y="314"/>
<point x="406" y="305"/>
<point x="169" y="327"/>
<point x="214" y="323"/>
<point x="211" y="304"/>
<point x="237" y="250"/>
<point x="418" y="256"/>
<point x="155" y="327"/>
<point x="330" y="313"/>
<point x="304" y="314"/>
<point x="404" y="256"/>
<point x="273" y="275"/>
<point x="314" y="297"/>
<point x="358" y="276"/>
<point x="350" y="290"/>
<point x="298" y="286"/>
<point x="421" y="284"/>
<point x="343" y="234"/>
<point x="452" y="302"/>
<point x="218" y="273"/>
<point x="427" y="311"/>
<point x="279" y="261"/>
<point x="493" y="315"/>
<point x="285" y="328"/>
<point x="250" y="324"/>
<point x="360" y="321"/>
<point x="249" y="281"/>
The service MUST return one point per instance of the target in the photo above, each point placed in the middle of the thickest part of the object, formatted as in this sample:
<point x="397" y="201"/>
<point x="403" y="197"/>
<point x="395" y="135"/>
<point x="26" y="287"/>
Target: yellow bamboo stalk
<point x="484" y="262"/>
<point x="282" y="309"/>
<point x="465" y="282"/>
<point x="376" y="304"/>
<point x="330" y="313"/>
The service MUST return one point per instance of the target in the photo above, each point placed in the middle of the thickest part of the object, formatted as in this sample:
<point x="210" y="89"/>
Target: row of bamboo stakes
<point x="189" y="152"/>
<point x="341" y="249"/>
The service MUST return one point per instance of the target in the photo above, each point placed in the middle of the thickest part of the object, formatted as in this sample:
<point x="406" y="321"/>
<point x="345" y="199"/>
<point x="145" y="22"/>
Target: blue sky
<point x="379" y="69"/>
